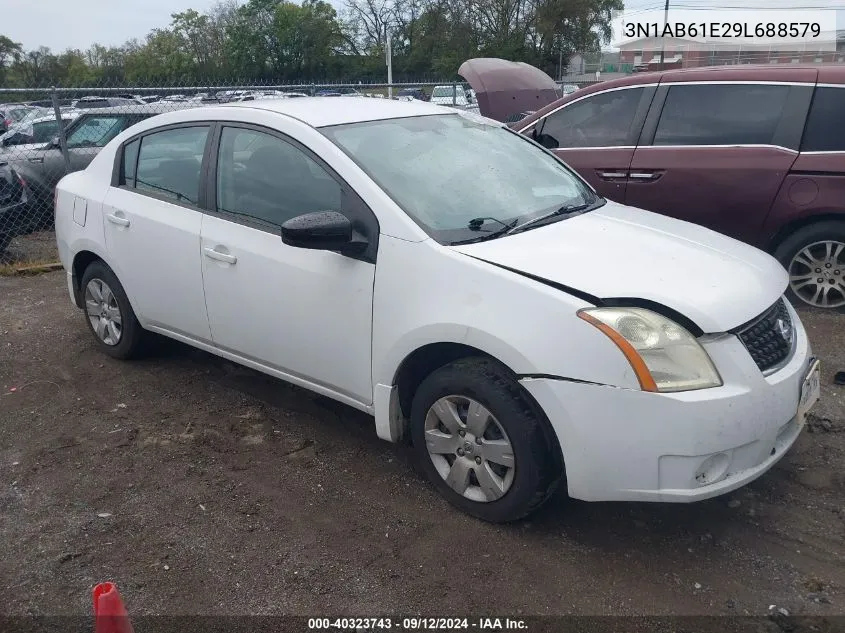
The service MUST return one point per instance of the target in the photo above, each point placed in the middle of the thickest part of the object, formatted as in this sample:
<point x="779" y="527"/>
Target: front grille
<point x="769" y="338"/>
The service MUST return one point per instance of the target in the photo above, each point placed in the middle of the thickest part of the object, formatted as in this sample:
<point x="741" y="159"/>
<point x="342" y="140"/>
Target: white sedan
<point x="454" y="280"/>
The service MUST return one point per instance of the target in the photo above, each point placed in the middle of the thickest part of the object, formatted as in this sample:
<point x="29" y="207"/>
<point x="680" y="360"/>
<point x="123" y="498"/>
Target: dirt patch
<point x="26" y="250"/>
<point x="203" y="487"/>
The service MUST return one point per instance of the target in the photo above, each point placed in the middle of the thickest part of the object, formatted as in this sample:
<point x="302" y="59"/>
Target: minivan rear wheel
<point x="814" y="257"/>
<point x="482" y="442"/>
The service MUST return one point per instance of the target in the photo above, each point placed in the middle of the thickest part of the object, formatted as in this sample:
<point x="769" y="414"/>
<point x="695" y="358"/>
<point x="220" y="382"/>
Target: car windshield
<point x="448" y="171"/>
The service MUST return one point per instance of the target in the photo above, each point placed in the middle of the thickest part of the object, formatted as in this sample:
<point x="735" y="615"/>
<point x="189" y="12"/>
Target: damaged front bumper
<point x="628" y="445"/>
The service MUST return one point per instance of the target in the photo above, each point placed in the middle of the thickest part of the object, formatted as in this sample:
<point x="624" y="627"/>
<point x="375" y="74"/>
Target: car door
<point x="716" y="153"/>
<point x="305" y="314"/>
<point x="152" y="221"/>
<point x="596" y="135"/>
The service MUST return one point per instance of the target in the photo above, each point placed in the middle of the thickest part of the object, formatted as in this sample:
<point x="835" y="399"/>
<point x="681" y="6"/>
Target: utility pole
<point x="389" y="54"/>
<point x="560" y="58"/>
<point x="663" y="39"/>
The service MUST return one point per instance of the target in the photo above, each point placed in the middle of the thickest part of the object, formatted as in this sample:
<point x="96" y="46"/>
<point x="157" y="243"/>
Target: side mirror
<point x="324" y="231"/>
<point x="54" y="143"/>
<point x="549" y="142"/>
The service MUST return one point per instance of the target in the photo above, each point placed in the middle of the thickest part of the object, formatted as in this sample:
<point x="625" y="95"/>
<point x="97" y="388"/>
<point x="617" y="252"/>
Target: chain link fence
<point x="47" y="133"/>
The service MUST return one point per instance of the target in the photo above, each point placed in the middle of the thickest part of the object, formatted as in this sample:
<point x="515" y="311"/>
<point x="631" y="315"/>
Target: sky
<point x="62" y="24"/>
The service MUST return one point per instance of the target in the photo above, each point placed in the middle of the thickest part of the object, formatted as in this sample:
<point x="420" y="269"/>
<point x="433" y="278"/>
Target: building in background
<point x="644" y="54"/>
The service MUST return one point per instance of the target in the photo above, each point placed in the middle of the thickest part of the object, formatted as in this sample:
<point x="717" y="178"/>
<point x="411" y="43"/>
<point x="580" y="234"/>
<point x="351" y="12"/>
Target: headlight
<point x="664" y="355"/>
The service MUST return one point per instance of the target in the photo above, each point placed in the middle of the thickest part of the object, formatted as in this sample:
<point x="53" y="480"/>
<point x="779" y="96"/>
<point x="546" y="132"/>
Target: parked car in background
<point x="568" y="89"/>
<point x="12" y="113"/>
<point x="675" y="372"/>
<point x="754" y="152"/>
<point x="412" y="93"/>
<point x="102" y="102"/>
<point x="30" y="135"/>
<point x="43" y="166"/>
<point x="453" y="94"/>
<point x="14" y="200"/>
<point x="130" y="97"/>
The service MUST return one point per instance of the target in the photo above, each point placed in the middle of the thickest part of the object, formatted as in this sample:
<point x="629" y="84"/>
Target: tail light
<point x="8" y="123"/>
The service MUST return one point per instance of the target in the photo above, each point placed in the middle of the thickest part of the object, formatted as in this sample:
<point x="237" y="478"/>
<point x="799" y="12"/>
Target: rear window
<point x="721" y="114"/>
<point x="825" y="130"/>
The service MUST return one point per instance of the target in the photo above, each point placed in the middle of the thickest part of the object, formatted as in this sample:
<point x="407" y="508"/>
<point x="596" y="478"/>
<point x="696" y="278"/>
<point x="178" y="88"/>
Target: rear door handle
<point x="221" y="257"/>
<point x="644" y="175"/>
<point x="36" y="159"/>
<point x="116" y="219"/>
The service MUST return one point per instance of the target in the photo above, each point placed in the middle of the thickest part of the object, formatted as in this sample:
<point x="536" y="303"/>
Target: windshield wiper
<point x="567" y="209"/>
<point x="476" y="223"/>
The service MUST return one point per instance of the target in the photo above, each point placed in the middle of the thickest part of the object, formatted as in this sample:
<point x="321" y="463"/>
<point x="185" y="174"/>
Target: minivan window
<point x="721" y="114"/>
<point x="461" y="198"/>
<point x="95" y="131"/>
<point x="825" y="130"/>
<point x="602" y="120"/>
<point x="170" y="162"/>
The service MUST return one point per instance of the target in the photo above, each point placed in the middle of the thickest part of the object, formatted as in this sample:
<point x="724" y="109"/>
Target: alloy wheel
<point x="817" y="274"/>
<point x="469" y="448"/>
<point x="103" y="312"/>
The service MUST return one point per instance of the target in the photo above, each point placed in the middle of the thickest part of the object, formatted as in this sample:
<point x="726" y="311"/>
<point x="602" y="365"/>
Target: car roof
<point x="138" y="108"/>
<point x="324" y="111"/>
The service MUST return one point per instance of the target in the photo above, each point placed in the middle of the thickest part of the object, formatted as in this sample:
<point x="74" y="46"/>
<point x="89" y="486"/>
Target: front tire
<point x="108" y="313"/>
<point x="482" y="443"/>
<point x="814" y="257"/>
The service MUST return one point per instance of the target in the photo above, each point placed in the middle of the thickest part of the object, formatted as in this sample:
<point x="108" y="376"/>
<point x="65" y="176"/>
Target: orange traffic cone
<point x="110" y="615"/>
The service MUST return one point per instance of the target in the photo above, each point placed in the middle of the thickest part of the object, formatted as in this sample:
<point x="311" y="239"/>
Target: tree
<point x="9" y="52"/>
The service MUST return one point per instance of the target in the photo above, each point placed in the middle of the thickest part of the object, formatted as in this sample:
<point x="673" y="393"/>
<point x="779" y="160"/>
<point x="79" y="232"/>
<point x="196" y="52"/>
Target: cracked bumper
<point x="626" y="445"/>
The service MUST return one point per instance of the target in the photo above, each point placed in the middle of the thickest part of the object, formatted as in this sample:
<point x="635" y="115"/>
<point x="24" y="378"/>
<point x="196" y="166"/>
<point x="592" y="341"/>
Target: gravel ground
<point x="202" y="487"/>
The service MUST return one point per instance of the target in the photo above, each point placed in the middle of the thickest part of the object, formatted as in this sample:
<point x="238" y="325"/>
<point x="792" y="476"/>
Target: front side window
<point x="96" y="131"/>
<point x="602" y="120"/>
<point x="825" y="129"/>
<point x="169" y="163"/>
<point x="721" y="114"/>
<point x="262" y="177"/>
<point x="430" y="166"/>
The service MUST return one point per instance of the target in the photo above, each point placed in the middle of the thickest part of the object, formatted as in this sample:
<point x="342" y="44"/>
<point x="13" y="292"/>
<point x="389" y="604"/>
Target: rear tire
<point x="482" y="442"/>
<point x="814" y="257"/>
<point x="108" y="313"/>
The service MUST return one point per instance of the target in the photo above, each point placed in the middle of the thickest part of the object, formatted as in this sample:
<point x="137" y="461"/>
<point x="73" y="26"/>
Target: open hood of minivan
<point x="618" y="252"/>
<point x="506" y="88"/>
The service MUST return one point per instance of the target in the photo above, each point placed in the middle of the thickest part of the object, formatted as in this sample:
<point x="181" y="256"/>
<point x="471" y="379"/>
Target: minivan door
<point x="596" y="135"/>
<point x="715" y="153"/>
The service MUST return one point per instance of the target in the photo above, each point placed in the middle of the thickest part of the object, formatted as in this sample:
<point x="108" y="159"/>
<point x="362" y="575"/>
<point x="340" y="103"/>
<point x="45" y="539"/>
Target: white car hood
<point x="618" y="252"/>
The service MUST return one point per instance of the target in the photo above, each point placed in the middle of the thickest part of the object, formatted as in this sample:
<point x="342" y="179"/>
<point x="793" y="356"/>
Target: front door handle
<point x="116" y="219"/>
<point x="613" y="175"/>
<point x="221" y="257"/>
<point x="36" y="159"/>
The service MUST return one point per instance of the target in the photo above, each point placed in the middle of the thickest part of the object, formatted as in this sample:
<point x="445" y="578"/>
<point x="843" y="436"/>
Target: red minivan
<point x="755" y="152"/>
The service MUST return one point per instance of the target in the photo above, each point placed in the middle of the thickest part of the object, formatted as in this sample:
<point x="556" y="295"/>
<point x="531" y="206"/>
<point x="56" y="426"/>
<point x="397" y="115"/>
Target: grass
<point x="29" y="268"/>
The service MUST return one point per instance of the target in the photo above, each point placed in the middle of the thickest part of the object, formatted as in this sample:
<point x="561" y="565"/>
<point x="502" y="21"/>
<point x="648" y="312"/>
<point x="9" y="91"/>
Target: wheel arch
<point x="393" y="417"/>
<point x="84" y="257"/>
<point x="815" y="217"/>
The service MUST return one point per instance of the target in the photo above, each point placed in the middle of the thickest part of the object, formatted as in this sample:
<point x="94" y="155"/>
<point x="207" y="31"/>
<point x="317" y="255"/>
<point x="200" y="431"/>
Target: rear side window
<point x="825" y="129"/>
<point x="44" y="131"/>
<point x="169" y="163"/>
<point x="130" y="163"/>
<point x="721" y="114"/>
<point x="602" y="120"/>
